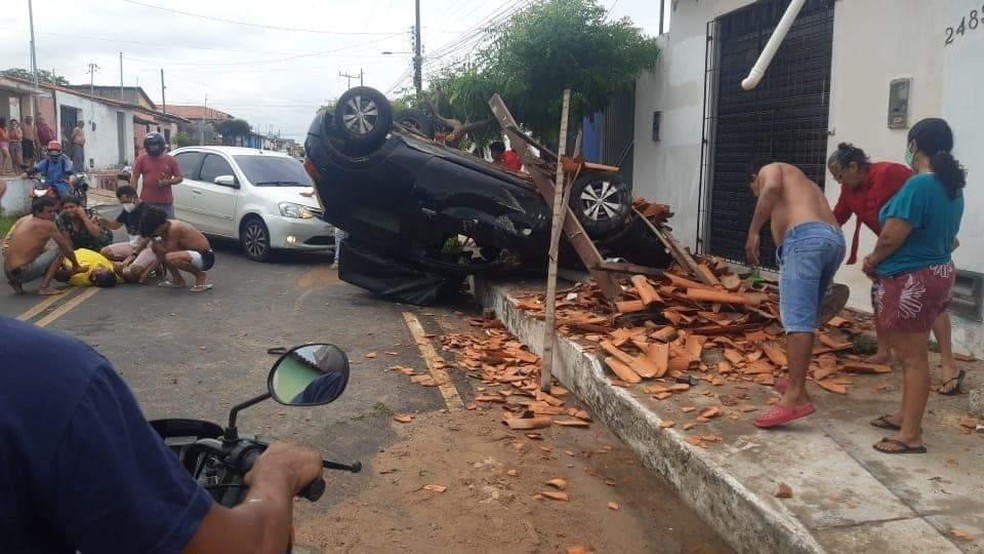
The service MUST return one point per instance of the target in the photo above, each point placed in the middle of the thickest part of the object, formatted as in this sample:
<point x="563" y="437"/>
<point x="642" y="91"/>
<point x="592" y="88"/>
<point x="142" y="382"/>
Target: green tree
<point x="44" y="76"/>
<point x="182" y="139"/>
<point x="537" y="53"/>
<point x="232" y="128"/>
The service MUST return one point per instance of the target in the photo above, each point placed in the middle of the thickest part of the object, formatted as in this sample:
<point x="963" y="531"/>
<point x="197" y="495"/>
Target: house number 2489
<point x="969" y="22"/>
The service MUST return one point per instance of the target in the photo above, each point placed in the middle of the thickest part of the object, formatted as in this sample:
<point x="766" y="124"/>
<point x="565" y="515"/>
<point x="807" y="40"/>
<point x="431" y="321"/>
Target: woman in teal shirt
<point x="913" y="266"/>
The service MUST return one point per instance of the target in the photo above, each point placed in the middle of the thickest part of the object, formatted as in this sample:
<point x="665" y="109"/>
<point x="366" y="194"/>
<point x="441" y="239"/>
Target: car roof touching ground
<point x="232" y="151"/>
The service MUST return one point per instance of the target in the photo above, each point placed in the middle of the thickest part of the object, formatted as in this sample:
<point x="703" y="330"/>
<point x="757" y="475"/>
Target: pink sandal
<point x="781" y="415"/>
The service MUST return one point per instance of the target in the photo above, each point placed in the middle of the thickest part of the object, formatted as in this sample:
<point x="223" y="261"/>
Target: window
<point x="190" y="163"/>
<point x="215" y="166"/>
<point x="968" y="295"/>
<point x="273" y="171"/>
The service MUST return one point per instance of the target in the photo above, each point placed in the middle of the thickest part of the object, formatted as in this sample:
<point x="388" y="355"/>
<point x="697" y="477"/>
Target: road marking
<point x="67" y="306"/>
<point x="43" y="305"/>
<point x="447" y="388"/>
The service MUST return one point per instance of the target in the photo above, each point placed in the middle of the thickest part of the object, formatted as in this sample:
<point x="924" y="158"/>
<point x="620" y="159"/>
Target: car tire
<point x="364" y="117"/>
<point x="419" y="121"/>
<point x="602" y="202"/>
<point x="254" y="237"/>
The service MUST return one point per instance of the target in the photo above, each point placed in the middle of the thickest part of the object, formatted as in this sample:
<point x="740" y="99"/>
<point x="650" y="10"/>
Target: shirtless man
<point x="25" y="258"/>
<point x="810" y="249"/>
<point x="178" y="246"/>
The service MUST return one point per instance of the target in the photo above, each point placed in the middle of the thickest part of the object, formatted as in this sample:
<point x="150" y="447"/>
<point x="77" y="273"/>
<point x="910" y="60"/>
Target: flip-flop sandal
<point x="903" y="447"/>
<point x="956" y="388"/>
<point x="167" y="284"/>
<point x="201" y="288"/>
<point x="781" y="415"/>
<point x="883" y="423"/>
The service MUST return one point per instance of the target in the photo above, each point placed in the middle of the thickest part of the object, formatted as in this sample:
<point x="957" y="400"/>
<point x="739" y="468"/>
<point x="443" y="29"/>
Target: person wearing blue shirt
<point x="57" y="169"/>
<point x="913" y="265"/>
<point x="81" y="470"/>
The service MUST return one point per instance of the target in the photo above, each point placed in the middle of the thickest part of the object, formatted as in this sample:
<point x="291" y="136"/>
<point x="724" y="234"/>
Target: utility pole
<point x="418" y="61"/>
<point x="121" y="76"/>
<point x="93" y="67"/>
<point x="34" y="53"/>
<point x="163" y="99"/>
<point x="348" y="76"/>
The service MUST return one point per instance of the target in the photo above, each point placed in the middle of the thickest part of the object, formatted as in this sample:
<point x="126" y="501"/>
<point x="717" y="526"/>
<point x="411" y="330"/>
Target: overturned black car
<point x="422" y="216"/>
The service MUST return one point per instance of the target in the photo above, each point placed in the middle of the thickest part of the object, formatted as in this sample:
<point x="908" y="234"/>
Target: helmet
<point x="54" y="145"/>
<point x="154" y="143"/>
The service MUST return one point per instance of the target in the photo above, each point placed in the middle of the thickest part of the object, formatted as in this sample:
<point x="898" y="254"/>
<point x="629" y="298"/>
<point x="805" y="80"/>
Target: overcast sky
<point x="271" y="63"/>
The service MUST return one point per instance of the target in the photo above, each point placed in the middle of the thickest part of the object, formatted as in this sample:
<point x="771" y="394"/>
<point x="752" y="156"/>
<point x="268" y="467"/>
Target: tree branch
<point x="461" y="130"/>
<point x="432" y="104"/>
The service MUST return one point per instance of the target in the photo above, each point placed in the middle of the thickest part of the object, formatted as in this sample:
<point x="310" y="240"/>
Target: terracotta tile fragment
<point x="784" y="491"/>
<point x="403" y="418"/>
<point x="558" y="483"/>
<point x="560" y="496"/>
<point x="435" y="488"/>
<point x="666" y="424"/>
<point x="613" y="506"/>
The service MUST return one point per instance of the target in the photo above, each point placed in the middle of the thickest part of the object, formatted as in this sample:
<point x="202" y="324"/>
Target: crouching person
<point x="24" y="256"/>
<point x="135" y="259"/>
<point x="179" y="247"/>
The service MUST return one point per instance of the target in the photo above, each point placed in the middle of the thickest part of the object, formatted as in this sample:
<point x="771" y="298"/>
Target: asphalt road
<point x="196" y="355"/>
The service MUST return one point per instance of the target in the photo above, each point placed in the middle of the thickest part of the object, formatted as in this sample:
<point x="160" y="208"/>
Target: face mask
<point x="128" y="208"/>
<point x="909" y="157"/>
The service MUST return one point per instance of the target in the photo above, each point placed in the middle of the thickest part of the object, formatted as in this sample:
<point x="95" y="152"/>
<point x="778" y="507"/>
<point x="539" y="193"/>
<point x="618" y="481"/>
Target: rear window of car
<point x="190" y="162"/>
<point x="274" y="171"/>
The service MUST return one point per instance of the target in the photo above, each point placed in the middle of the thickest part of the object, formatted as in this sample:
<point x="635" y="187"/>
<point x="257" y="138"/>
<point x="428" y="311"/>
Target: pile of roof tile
<point x="677" y="330"/>
<point x="510" y="377"/>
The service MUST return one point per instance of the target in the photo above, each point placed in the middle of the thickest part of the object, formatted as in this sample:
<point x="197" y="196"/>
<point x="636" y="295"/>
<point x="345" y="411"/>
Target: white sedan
<point x="259" y="197"/>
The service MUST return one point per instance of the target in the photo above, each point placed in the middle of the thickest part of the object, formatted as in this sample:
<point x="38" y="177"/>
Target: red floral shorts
<point x="911" y="302"/>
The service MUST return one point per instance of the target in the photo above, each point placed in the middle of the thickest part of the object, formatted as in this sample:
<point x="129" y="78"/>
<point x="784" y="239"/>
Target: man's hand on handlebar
<point x="296" y="466"/>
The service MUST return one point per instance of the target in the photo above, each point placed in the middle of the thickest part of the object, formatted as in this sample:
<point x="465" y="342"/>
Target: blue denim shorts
<point x="808" y="259"/>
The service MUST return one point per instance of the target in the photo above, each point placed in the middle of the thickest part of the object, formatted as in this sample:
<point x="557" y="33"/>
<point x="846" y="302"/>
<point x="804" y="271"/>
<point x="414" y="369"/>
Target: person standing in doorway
<point x="45" y="134"/>
<point x="810" y="249"/>
<point x="29" y="144"/>
<point x="159" y="172"/>
<point x="78" y="146"/>
<point x="16" y="137"/>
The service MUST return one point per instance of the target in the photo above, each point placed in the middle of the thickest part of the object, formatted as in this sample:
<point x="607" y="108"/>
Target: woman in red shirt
<point x="865" y="188"/>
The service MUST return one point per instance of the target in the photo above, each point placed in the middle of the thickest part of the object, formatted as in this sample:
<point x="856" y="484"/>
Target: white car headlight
<point x="296" y="211"/>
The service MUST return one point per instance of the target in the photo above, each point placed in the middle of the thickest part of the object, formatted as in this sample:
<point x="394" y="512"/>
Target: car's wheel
<point x="417" y="120"/>
<point x="364" y="116"/>
<point x="254" y="237"/>
<point x="602" y="202"/>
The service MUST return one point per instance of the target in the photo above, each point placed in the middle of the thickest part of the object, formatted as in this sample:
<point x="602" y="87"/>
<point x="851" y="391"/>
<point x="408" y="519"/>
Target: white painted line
<point x="444" y="384"/>
<point x="44" y="305"/>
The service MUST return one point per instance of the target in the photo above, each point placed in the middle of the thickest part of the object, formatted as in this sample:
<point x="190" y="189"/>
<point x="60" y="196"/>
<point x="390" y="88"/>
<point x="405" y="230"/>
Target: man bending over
<point x="25" y="258"/>
<point x="810" y="249"/>
<point x="180" y="247"/>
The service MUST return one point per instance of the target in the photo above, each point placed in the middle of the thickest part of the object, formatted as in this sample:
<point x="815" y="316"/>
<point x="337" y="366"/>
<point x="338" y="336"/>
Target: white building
<point x="859" y="71"/>
<point x="108" y="127"/>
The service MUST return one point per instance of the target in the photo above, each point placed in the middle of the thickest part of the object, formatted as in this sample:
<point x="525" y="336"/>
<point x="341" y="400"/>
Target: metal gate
<point x="784" y="118"/>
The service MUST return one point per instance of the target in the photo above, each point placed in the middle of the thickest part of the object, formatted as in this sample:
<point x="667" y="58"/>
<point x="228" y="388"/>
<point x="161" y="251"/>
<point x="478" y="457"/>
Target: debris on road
<point x="435" y="488"/>
<point x="404" y="418"/>
<point x="784" y="491"/>
<point x="561" y="496"/>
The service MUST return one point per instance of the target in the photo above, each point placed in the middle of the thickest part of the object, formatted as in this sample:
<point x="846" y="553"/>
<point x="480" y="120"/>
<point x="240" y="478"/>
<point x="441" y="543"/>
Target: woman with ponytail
<point x="913" y="265"/>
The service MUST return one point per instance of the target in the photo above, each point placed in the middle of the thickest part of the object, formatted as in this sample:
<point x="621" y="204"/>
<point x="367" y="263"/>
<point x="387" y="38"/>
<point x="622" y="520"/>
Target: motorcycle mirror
<point x="309" y="375"/>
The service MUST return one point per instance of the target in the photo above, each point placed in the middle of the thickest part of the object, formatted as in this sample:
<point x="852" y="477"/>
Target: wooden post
<point x="559" y="210"/>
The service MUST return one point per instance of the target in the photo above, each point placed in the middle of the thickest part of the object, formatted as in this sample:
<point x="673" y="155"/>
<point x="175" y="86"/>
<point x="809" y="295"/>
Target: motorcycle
<point x="219" y="458"/>
<point x="79" y="187"/>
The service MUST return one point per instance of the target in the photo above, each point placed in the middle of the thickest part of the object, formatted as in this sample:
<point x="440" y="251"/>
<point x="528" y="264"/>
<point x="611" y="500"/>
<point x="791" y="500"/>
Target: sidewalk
<point x="846" y="497"/>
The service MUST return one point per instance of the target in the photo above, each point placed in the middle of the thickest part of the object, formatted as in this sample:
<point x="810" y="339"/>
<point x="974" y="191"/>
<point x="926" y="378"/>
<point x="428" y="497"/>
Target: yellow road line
<point x="67" y="307"/>
<point x="43" y="305"/>
<point x="447" y="388"/>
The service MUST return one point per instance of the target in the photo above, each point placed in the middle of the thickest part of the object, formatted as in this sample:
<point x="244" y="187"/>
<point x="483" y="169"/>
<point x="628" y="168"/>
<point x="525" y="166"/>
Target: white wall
<point x="875" y="41"/>
<point x="102" y="144"/>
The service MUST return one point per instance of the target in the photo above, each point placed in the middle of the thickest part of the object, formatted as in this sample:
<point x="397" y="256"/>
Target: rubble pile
<point x="677" y="331"/>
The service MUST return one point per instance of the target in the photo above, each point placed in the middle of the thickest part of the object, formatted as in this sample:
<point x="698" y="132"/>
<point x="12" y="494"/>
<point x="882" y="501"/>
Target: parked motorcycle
<point x="219" y="458"/>
<point x="79" y="187"/>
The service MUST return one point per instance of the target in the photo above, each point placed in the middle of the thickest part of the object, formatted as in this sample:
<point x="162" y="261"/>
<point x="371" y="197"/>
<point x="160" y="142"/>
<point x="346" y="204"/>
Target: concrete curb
<point x="737" y="514"/>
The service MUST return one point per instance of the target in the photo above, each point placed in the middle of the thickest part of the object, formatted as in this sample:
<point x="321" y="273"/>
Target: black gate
<point x="784" y="118"/>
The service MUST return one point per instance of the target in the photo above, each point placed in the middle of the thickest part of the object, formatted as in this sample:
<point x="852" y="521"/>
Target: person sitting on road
<point x="508" y="159"/>
<point x="56" y="168"/>
<point x="180" y="247"/>
<point x="135" y="257"/>
<point x="84" y="231"/>
<point x="25" y="258"/>
<point x="101" y="273"/>
<point x="83" y="471"/>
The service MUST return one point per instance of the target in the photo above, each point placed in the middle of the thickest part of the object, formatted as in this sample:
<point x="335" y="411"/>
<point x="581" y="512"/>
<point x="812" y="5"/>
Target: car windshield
<point x="274" y="171"/>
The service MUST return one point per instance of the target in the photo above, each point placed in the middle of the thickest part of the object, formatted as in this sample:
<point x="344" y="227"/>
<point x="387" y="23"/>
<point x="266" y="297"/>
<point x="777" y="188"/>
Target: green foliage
<point x="182" y="139"/>
<point x="540" y="51"/>
<point x="44" y="76"/>
<point x="233" y="128"/>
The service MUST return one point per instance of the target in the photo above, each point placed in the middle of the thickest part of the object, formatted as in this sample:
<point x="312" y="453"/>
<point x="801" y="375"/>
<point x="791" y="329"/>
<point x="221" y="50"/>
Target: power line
<point x="246" y="23"/>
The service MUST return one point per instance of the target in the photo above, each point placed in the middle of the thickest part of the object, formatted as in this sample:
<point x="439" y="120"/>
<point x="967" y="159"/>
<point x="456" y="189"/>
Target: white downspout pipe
<point x="769" y="52"/>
